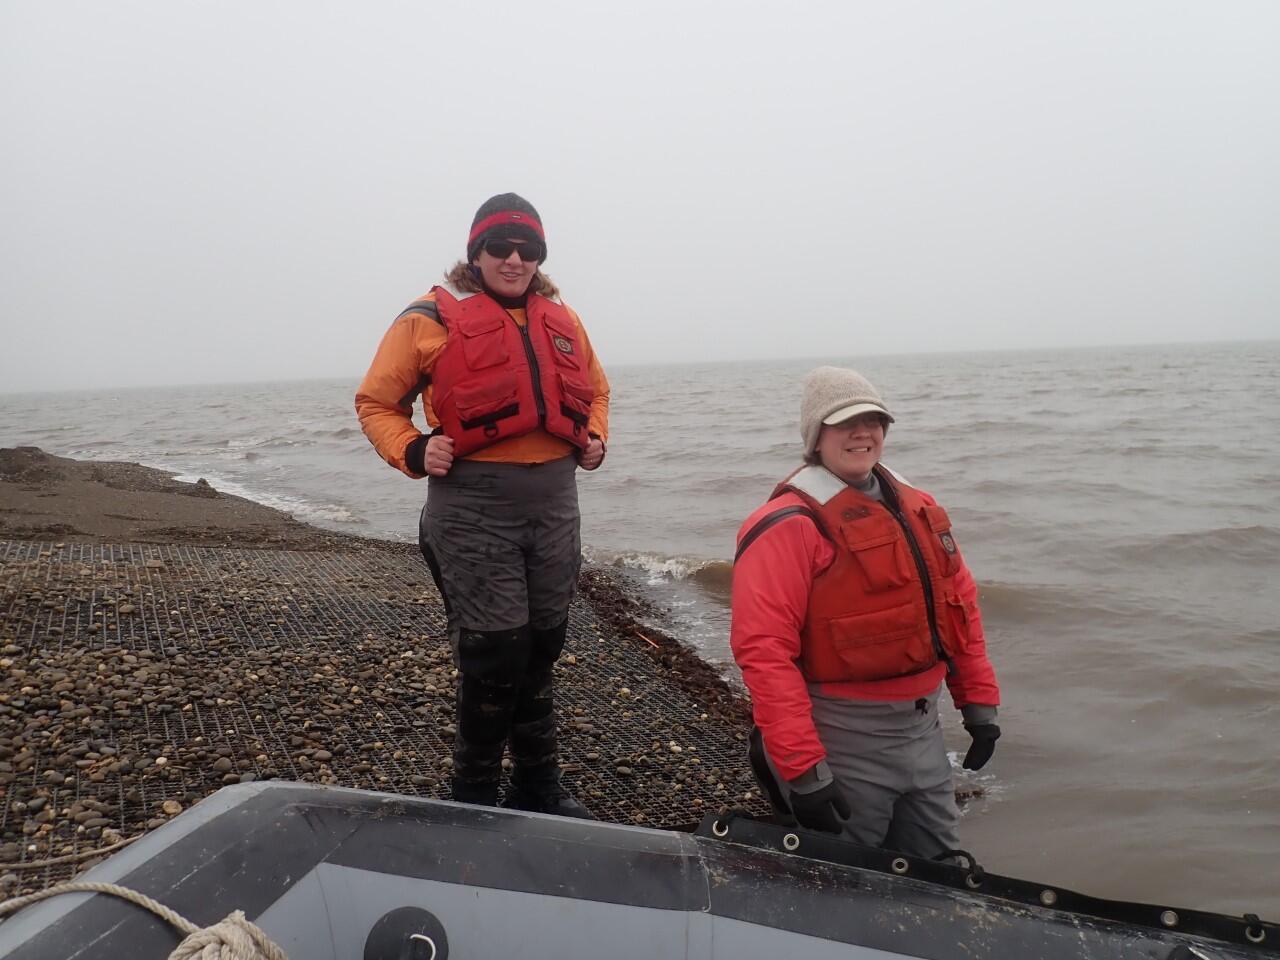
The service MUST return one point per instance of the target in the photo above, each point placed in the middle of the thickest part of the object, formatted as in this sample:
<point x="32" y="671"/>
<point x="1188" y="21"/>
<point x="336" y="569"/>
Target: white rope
<point x="233" y="938"/>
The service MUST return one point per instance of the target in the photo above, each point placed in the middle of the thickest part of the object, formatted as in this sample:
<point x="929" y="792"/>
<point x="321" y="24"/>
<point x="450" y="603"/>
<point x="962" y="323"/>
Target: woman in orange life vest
<point x="516" y="401"/>
<point x="851" y="606"/>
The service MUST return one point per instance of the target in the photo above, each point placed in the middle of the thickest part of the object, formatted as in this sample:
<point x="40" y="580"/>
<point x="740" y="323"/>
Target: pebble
<point x="202" y="654"/>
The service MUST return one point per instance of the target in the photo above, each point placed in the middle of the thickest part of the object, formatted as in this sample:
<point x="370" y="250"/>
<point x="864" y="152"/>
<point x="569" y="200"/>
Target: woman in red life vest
<point x="851" y="606"/>
<point x="516" y="401"/>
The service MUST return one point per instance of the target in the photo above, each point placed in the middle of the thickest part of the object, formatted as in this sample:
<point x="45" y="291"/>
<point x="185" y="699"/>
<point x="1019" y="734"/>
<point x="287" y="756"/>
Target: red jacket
<point x="495" y="379"/>
<point x="775" y="580"/>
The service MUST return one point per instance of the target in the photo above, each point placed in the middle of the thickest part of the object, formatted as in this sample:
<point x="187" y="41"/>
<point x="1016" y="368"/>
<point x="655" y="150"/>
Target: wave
<point x="1251" y="544"/>
<point x="1127" y="391"/>
<point x="1010" y="603"/>
<point x="714" y="576"/>
<point x="299" y="508"/>
<point x="241" y="443"/>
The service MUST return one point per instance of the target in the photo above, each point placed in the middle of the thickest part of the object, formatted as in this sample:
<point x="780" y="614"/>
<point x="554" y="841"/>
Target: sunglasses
<point x="529" y="250"/>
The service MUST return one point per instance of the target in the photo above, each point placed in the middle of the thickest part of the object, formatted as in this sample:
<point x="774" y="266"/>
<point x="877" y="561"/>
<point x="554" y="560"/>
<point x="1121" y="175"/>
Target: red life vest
<point x="495" y="380"/>
<point x="888" y="605"/>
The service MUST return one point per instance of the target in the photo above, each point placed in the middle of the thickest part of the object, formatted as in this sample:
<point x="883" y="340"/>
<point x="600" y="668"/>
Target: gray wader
<point x="503" y="544"/>
<point x="890" y="761"/>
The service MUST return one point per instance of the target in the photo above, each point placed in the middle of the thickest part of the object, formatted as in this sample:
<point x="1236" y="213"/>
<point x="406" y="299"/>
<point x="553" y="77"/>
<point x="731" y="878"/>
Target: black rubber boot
<point x="535" y="782"/>
<point x="490" y="665"/>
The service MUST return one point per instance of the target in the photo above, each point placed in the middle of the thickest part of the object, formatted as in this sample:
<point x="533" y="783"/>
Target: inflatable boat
<point x="334" y="874"/>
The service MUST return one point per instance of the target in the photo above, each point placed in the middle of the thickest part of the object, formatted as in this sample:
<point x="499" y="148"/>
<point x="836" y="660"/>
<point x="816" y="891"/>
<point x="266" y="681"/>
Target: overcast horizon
<point x="354" y="378"/>
<point x="239" y="193"/>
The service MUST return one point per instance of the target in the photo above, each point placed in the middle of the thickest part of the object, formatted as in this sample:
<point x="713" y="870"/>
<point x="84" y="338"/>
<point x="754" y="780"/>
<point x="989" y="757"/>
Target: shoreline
<point x="160" y="639"/>
<point x="44" y="497"/>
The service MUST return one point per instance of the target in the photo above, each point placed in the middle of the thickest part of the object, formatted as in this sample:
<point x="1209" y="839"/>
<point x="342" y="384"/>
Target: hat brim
<point x="844" y="413"/>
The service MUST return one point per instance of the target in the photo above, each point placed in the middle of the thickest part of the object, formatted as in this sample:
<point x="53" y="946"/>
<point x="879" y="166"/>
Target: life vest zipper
<point x="539" y="400"/>
<point x="926" y="583"/>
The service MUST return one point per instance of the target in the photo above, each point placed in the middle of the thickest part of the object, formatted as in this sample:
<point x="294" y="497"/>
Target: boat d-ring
<point x="720" y="829"/>
<point x="1255" y="932"/>
<point x="791" y="842"/>
<point x="423" y="938"/>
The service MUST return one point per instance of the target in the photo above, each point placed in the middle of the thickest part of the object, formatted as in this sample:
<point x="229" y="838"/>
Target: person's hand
<point x="439" y="456"/>
<point x="593" y="455"/>
<point x="984" y="736"/>
<point x="824" y="809"/>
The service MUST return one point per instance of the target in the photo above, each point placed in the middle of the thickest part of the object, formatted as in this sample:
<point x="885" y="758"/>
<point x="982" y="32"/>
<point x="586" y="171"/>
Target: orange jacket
<point x="404" y="366"/>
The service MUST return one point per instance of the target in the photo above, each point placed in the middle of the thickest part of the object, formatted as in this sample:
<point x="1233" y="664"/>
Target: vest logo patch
<point x="948" y="543"/>
<point x="563" y="344"/>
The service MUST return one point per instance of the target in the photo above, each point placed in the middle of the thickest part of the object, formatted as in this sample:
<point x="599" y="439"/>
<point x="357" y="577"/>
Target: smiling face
<point x="509" y="276"/>
<point x="850" y="449"/>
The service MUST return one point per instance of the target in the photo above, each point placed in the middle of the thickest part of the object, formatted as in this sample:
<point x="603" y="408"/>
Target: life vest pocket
<point x="482" y="402"/>
<point x="483" y="342"/>
<point x="880" y="552"/>
<point x="575" y="401"/>
<point x="882" y="644"/>
<point x="562" y="334"/>
<point x="941" y="540"/>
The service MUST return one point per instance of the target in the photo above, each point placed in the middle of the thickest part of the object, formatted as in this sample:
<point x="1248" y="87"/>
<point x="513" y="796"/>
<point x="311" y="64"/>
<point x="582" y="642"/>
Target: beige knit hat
<point x="832" y="395"/>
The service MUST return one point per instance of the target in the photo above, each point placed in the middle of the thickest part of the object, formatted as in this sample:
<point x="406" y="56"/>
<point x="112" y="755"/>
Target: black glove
<point x="984" y="736"/>
<point x="823" y="809"/>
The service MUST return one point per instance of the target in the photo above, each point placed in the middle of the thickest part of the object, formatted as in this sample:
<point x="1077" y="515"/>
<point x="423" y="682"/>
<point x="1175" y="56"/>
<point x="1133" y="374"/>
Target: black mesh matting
<point x="139" y="675"/>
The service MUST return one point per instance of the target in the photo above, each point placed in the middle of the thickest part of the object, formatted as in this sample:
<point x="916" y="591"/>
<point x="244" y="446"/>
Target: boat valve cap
<point x="407" y="933"/>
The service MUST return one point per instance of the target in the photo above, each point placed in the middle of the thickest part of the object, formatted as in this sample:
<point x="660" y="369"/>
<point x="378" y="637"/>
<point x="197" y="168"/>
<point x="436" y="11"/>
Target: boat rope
<point x="974" y="874"/>
<point x="233" y="938"/>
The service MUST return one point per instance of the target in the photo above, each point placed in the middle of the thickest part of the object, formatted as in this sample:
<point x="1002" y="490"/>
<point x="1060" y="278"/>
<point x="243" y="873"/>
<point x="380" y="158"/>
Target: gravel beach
<point x="160" y="639"/>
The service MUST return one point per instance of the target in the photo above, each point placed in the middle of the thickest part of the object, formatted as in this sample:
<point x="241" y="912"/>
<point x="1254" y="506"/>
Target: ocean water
<point x="1120" y="509"/>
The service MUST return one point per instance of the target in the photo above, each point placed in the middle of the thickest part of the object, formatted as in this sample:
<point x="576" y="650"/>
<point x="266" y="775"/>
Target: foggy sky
<point x="211" y="192"/>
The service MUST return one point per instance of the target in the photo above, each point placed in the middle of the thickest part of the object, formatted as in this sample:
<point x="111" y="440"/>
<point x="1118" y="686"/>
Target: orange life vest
<point x="495" y="379"/>
<point x="887" y="606"/>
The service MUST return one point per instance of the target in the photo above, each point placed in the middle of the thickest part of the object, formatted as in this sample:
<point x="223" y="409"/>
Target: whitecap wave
<point x="297" y="507"/>
<point x="659" y="568"/>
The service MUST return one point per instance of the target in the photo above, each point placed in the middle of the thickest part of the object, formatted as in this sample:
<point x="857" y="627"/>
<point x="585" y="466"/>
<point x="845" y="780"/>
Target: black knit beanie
<point x="506" y="216"/>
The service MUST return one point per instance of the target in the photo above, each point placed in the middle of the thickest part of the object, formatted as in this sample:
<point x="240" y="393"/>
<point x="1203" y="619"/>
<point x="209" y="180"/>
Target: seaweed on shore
<point x="616" y="604"/>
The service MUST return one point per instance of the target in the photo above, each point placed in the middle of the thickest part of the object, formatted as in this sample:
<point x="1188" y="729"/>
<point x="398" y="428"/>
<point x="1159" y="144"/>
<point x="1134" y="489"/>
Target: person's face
<point x="850" y="449"/>
<point x="503" y="270"/>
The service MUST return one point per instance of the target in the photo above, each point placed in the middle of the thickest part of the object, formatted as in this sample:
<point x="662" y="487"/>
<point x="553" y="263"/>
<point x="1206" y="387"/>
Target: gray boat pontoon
<point x="335" y="874"/>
